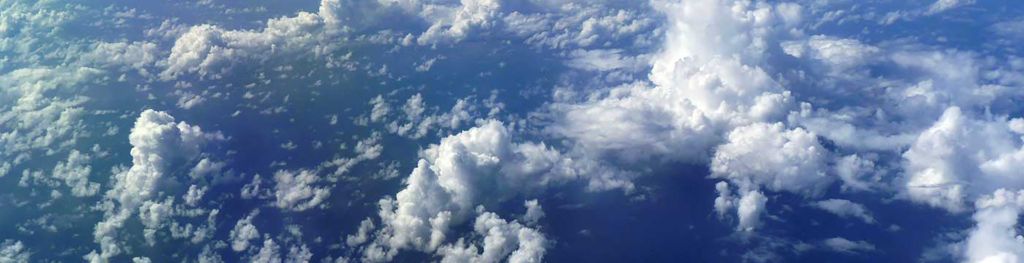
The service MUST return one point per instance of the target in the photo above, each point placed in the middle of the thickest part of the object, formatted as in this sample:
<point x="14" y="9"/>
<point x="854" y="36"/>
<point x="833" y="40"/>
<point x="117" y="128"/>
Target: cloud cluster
<point x="297" y="190"/>
<point x="960" y="158"/>
<point x="480" y="166"/>
<point x="769" y="95"/>
<point x="502" y="241"/>
<point x="14" y="251"/>
<point x="160" y="146"/>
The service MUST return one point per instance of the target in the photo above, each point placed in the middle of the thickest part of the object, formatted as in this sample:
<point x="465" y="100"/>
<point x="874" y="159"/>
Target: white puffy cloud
<point x="725" y="201"/>
<point x="857" y="173"/>
<point x="194" y="195"/>
<point x="564" y="25"/>
<point x="501" y="240"/>
<point x="210" y="50"/>
<point x="623" y="125"/>
<point x="75" y="173"/>
<point x="244" y="232"/>
<point x="368" y="148"/>
<point x="418" y="119"/>
<point x="840" y="128"/>
<point x="704" y="83"/>
<point x="749" y="209"/>
<point x="298" y="254"/>
<point x="124" y="55"/>
<point x="959" y="158"/>
<point x="158" y="144"/>
<point x="299" y="190"/>
<point x="159" y="147"/>
<point x="380" y="109"/>
<point x="845" y="208"/>
<point x="14" y="251"/>
<point x="534" y="212"/>
<point x="711" y="98"/>
<point x="478" y="166"/>
<point x="362" y="234"/>
<point x="767" y="155"/>
<point x="254" y="188"/>
<point x="453" y="23"/>
<point x="269" y="253"/>
<point x="41" y="110"/>
<point x="995" y="237"/>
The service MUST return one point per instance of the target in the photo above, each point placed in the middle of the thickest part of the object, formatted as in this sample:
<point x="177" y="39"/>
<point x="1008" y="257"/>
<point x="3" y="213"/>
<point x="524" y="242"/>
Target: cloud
<point x="858" y="173"/>
<point x="362" y="234"/>
<point x="454" y="23"/>
<point x="839" y="54"/>
<point x="749" y="209"/>
<point x="767" y="155"/>
<point x="368" y="148"/>
<point x="244" y="232"/>
<point x="159" y="147"/>
<point x="604" y="60"/>
<point x="297" y="190"/>
<point x="845" y="208"/>
<point x="479" y="166"/>
<point x="959" y="158"/>
<point x="501" y="239"/>
<point x="843" y="245"/>
<point x="14" y="251"/>
<point x="269" y="253"/>
<point x="42" y="110"/>
<point x="210" y="50"/>
<point x="995" y="237"/>
<point x="136" y="56"/>
<point x="75" y="172"/>
<point x="534" y="212"/>
<point x="942" y="5"/>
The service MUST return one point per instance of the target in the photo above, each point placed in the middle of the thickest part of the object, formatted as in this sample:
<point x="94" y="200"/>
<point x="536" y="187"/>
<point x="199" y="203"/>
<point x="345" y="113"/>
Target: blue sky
<point x="511" y="130"/>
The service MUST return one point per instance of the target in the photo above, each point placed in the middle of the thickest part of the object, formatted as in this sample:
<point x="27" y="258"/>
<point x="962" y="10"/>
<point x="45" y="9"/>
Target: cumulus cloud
<point x="857" y="173"/>
<point x="995" y="237"/>
<point x="768" y="103"/>
<point x="749" y="209"/>
<point x="767" y="155"/>
<point x="710" y="92"/>
<point x="479" y="166"/>
<point x="368" y="148"/>
<point x="845" y="208"/>
<point x="14" y="251"/>
<point x="210" y="50"/>
<point x="419" y="119"/>
<point x="453" y="23"/>
<point x="75" y="172"/>
<point x="41" y="110"/>
<point x="706" y="85"/>
<point x="501" y="240"/>
<point x="138" y="56"/>
<point x="534" y="212"/>
<point x="299" y="190"/>
<point x="159" y="147"/>
<point x="270" y="252"/>
<point x="206" y="49"/>
<point x="959" y="158"/>
<point x="244" y="232"/>
<point x="362" y="234"/>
